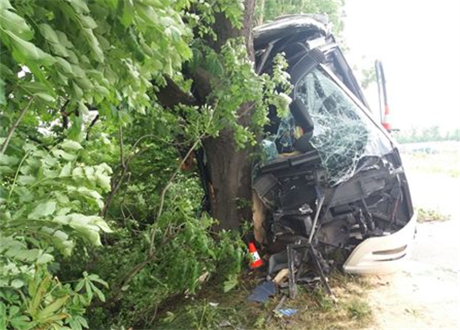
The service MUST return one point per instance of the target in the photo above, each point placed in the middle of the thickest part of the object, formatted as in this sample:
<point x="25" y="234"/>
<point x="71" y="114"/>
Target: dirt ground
<point x="425" y="295"/>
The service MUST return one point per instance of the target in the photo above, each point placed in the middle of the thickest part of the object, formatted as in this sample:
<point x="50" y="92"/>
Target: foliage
<point x="270" y="9"/>
<point x="369" y="76"/>
<point x="235" y="83"/>
<point x="89" y="154"/>
<point x="103" y="53"/>
<point x="39" y="301"/>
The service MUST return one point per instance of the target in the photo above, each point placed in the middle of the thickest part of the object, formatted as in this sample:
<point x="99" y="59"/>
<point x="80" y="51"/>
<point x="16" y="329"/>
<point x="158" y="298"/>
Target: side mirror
<point x="301" y="116"/>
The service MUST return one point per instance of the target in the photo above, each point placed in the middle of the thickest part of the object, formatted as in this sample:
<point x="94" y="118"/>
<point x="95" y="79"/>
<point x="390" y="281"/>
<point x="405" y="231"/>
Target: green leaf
<point x="82" y="321"/>
<point x="64" y="155"/>
<point x="66" y="171"/>
<point x="35" y="88"/>
<point x="102" y="224"/>
<point x="28" y="51"/>
<point x="38" y="294"/>
<point x="230" y="283"/>
<point x="89" y="290"/>
<point x="45" y="258"/>
<point x="128" y="13"/>
<point x="80" y="6"/>
<point x="2" y="91"/>
<point x="83" y="108"/>
<point x="48" y="33"/>
<point x="45" y="97"/>
<point x="8" y="160"/>
<point x="94" y="44"/>
<point x="74" y="324"/>
<point x="65" y="66"/>
<point x="80" y="285"/>
<point x="42" y="210"/>
<point x="98" y="292"/>
<point x="96" y="278"/>
<point x="21" y="323"/>
<point x="88" y="22"/>
<point x="48" y="311"/>
<point x="13" y="23"/>
<point x="3" y="316"/>
<point x="63" y="39"/>
<point x="17" y="283"/>
<point x="70" y="145"/>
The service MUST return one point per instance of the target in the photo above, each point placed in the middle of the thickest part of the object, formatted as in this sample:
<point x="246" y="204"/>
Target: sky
<point x="418" y="42"/>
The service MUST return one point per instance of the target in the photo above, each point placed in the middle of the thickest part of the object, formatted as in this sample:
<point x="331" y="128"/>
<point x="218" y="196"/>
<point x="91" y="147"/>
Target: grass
<point x="431" y="215"/>
<point x="446" y="163"/>
<point x="214" y="309"/>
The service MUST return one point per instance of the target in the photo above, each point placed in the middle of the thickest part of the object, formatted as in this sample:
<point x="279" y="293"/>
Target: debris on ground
<point x="262" y="292"/>
<point x="287" y="312"/>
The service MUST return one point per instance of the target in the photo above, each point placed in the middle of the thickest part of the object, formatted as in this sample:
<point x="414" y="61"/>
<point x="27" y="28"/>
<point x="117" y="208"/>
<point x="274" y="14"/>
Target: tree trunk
<point x="230" y="168"/>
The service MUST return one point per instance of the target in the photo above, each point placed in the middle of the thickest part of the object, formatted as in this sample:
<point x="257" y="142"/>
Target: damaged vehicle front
<point x="331" y="187"/>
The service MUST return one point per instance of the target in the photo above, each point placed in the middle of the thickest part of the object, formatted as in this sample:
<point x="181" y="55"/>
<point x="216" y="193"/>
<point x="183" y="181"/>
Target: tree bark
<point x="230" y="168"/>
<point x="230" y="173"/>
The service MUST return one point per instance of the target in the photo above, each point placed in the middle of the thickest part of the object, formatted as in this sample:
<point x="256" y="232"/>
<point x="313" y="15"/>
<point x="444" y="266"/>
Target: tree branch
<point x="122" y="160"/>
<point x="15" y="125"/>
<point x="172" y="95"/>
<point x="93" y="122"/>
<point x="201" y="84"/>
<point x="65" y="115"/>
<point x="124" y="166"/>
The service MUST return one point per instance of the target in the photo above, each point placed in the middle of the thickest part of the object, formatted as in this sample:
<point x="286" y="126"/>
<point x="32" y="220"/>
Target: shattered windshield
<point x="343" y="134"/>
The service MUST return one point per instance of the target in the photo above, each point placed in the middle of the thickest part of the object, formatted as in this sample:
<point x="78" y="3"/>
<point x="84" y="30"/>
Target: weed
<point x="358" y="309"/>
<point x="412" y="312"/>
<point x="324" y="301"/>
<point x="431" y="215"/>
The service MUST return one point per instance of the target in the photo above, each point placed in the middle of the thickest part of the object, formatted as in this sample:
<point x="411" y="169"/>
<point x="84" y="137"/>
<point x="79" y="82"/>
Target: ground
<point x="425" y="294"/>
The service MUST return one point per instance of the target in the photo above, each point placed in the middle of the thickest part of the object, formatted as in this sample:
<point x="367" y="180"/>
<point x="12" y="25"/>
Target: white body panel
<point x="384" y="254"/>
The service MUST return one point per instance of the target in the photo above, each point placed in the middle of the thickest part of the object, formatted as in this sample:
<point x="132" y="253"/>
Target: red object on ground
<point x="254" y="255"/>
<point x="386" y="119"/>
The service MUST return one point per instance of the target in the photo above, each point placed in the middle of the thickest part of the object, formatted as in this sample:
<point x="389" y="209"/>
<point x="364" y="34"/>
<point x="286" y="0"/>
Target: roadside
<point x="312" y="309"/>
<point x="425" y="295"/>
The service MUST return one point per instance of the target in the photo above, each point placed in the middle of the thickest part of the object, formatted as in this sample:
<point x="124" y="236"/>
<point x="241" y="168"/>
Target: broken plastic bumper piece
<point x="384" y="254"/>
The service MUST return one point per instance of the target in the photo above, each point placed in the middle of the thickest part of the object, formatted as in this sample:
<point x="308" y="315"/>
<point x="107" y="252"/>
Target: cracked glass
<point x="343" y="134"/>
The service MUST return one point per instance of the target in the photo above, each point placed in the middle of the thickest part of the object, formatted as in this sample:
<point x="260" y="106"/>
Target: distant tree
<point x="368" y="76"/>
<point x="428" y="134"/>
<point x="267" y="10"/>
<point x="454" y="135"/>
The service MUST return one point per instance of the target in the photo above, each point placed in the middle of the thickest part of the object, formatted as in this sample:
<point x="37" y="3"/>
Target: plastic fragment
<point x="287" y="312"/>
<point x="262" y="292"/>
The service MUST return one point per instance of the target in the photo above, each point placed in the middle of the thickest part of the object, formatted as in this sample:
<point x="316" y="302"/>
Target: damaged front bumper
<point x="382" y="255"/>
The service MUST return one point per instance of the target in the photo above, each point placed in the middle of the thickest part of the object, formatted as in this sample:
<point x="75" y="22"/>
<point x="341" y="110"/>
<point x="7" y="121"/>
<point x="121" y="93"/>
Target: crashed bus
<point x="331" y="188"/>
